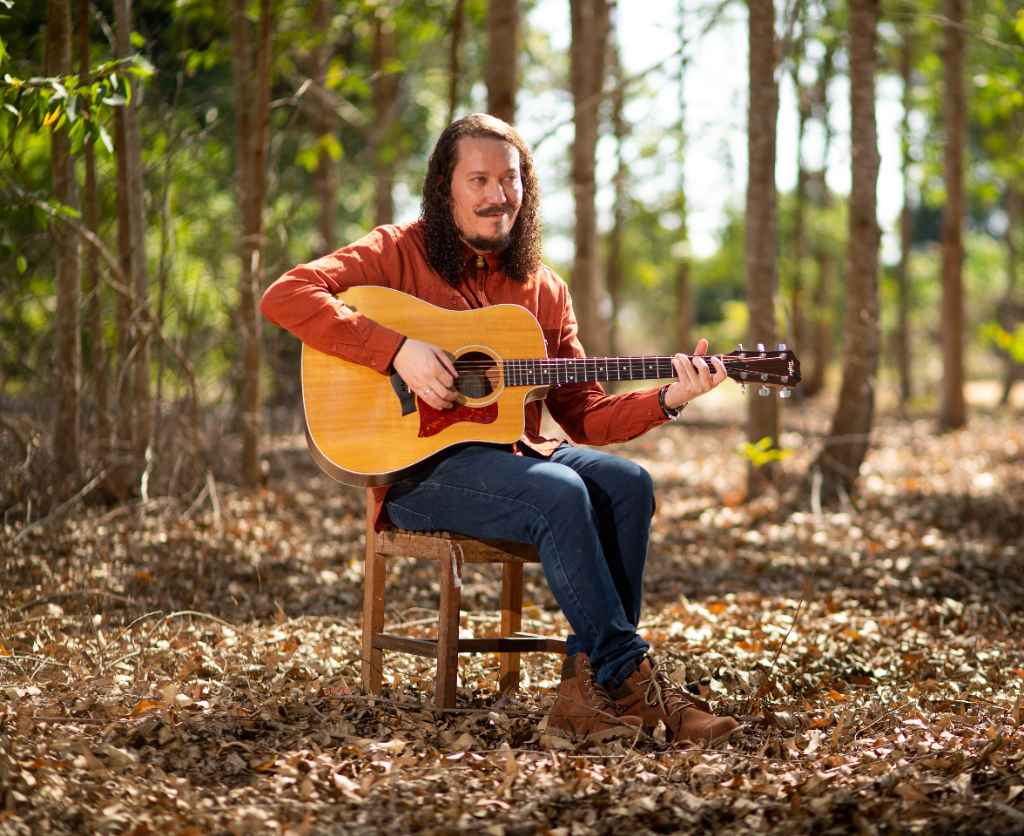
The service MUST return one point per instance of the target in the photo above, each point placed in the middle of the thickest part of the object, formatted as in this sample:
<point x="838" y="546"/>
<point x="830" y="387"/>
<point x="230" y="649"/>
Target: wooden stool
<point x="450" y="552"/>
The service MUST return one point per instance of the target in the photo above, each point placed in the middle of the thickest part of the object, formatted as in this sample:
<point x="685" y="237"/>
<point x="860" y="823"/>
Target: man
<point x="477" y="243"/>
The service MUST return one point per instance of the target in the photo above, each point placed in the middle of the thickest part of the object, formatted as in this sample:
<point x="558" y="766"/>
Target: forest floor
<point x="193" y="667"/>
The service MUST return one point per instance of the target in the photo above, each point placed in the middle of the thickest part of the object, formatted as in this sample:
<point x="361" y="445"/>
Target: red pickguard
<point x="433" y="421"/>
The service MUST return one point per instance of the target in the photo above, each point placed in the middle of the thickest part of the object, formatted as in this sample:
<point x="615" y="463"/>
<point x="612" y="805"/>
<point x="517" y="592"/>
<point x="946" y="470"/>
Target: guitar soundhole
<point x="478" y="374"/>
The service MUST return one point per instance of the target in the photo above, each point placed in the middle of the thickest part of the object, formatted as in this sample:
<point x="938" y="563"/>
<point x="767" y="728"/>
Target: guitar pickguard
<point x="433" y="421"/>
<point x="405" y="396"/>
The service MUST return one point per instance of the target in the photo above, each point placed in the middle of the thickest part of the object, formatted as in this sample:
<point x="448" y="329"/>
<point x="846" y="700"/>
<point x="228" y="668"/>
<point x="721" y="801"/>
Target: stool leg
<point x="374" y="574"/>
<point x="511" y="622"/>
<point x="448" y="634"/>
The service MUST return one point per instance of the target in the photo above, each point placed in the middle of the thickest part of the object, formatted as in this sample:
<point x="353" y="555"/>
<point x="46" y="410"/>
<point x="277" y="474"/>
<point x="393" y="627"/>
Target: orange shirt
<point x="303" y="302"/>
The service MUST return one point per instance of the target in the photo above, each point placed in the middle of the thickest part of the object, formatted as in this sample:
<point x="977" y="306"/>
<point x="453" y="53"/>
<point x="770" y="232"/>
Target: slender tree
<point x="683" y="291"/>
<point x="454" y="52"/>
<point x="96" y="361"/>
<point x="590" y="21"/>
<point x="502" y="58"/>
<point x="252" y="125"/>
<point x="819" y="314"/>
<point x="325" y="177"/>
<point x="1010" y="312"/>
<point x="614" y="268"/>
<point x="67" y="344"/>
<point x="134" y="402"/>
<point x="385" y="99"/>
<point x="835" y="470"/>
<point x="902" y="336"/>
<point x="761" y="240"/>
<point x="953" y="410"/>
<point x="804" y="96"/>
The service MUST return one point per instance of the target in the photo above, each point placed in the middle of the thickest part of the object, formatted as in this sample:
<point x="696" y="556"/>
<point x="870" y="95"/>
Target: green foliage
<point x="64" y="101"/>
<point x="1010" y="343"/>
<point x="763" y="452"/>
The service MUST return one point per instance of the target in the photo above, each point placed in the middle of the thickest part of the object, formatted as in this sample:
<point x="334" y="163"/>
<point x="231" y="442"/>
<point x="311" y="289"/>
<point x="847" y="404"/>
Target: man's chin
<point x="485" y="244"/>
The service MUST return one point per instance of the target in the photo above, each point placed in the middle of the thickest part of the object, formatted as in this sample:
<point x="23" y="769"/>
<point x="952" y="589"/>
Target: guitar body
<point x="365" y="428"/>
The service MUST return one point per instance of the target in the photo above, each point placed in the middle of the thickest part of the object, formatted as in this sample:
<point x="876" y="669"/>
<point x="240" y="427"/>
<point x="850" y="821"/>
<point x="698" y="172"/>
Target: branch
<point x="627" y="81"/>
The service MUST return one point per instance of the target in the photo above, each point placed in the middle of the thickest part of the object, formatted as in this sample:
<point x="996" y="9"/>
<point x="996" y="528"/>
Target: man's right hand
<point x="428" y="372"/>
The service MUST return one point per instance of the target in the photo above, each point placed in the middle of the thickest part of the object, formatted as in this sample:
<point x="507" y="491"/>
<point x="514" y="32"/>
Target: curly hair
<point x="445" y="249"/>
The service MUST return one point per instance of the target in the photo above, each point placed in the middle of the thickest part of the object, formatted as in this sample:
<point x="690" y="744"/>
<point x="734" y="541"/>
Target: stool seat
<point x="451" y="552"/>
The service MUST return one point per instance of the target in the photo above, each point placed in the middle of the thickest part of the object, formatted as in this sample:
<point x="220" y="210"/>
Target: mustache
<point x="494" y="211"/>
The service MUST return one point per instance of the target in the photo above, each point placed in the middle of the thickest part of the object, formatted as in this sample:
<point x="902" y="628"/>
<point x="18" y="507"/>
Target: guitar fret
<point x="556" y="370"/>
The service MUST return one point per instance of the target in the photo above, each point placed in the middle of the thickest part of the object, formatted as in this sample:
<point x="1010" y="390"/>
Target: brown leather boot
<point x="583" y="711"/>
<point x="649" y="693"/>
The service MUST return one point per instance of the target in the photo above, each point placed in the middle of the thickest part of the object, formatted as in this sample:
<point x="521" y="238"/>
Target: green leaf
<point x="1018" y="24"/>
<point x="762" y="452"/>
<point x="137" y="40"/>
<point x="105" y="139"/>
<point x="21" y="263"/>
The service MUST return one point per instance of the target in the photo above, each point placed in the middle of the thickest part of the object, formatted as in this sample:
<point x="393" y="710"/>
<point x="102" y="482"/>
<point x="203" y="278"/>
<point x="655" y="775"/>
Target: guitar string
<point x="609" y="361"/>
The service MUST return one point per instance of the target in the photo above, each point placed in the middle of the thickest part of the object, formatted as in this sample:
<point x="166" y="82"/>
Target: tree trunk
<point x="326" y="175"/>
<point x="761" y="237"/>
<point x="252" y="101"/>
<point x="135" y="422"/>
<point x="683" y="293"/>
<point x="590" y="20"/>
<point x="1009" y="312"/>
<point x="385" y="94"/>
<point x="835" y="471"/>
<point x="614" y="270"/>
<point x="804" y="94"/>
<point x="953" y="410"/>
<point x="902" y="342"/>
<point x="454" y="51"/>
<point x="96" y="360"/>
<point x="502" y="58"/>
<point x="819" y="316"/>
<point x="67" y="325"/>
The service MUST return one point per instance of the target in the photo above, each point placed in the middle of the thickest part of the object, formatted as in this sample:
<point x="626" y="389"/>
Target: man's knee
<point x="631" y="482"/>
<point x="561" y="489"/>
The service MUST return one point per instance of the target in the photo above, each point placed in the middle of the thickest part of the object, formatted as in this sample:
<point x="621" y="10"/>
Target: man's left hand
<point x="696" y="376"/>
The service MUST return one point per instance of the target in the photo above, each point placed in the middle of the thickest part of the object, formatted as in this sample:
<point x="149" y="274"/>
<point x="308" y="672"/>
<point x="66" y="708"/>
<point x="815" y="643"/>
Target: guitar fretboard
<point x="585" y="370"/>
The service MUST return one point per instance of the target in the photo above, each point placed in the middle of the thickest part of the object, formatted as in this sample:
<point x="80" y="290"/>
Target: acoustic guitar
<point x="365" y="428"/>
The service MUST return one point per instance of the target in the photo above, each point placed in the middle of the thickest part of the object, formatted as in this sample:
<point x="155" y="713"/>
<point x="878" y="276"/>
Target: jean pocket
<point x="408" y="519"/>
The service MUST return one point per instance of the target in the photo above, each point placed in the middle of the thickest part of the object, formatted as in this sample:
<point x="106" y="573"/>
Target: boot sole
<point x="558" y="739"/>
<point x="713" y="741"/>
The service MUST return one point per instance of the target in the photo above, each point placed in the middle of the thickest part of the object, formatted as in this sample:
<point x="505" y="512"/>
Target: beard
<point x="488" y="245"/>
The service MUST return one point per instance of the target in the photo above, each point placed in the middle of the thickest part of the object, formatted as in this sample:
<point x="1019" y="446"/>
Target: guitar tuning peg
<point x="782" y="346"/>
<point x="764" y="391"/>
<point x="739" y="346"/>
<point x="760" y="346"/>
<point x="785" y="392"/>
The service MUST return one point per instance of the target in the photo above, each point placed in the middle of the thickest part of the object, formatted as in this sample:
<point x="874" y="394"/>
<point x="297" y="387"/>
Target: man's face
<point x="486" y="192"/>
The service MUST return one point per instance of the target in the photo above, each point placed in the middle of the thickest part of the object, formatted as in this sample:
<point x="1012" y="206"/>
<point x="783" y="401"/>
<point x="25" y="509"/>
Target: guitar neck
<point x="774" y="368"/>
<point x="552" y="371"/>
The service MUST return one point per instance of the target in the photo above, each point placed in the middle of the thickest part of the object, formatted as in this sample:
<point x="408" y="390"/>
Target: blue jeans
<point x="587" y="512"/>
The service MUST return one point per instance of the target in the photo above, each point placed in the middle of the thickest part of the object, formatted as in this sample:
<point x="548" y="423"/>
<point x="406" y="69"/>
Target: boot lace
<point x="661" y="692"/>
<point x="602" y="700"/>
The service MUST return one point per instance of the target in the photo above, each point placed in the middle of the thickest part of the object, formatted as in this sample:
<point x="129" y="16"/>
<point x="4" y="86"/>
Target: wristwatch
<point x="670" y="412"/>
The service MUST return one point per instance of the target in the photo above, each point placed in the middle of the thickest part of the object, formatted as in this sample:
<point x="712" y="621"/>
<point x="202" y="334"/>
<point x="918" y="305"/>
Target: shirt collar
<point x="474" y="260"/>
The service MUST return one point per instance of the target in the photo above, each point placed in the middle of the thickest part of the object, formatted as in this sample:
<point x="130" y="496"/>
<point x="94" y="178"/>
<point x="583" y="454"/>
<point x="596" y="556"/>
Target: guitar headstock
<point x="778" y="369"/>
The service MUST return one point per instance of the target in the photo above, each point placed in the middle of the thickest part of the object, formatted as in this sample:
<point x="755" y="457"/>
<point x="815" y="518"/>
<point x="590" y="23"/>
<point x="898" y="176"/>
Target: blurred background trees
<point x="161" y="162"/>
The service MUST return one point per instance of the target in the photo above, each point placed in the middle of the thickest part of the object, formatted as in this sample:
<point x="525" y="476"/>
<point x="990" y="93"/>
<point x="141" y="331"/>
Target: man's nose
<point x="496" y="193"/>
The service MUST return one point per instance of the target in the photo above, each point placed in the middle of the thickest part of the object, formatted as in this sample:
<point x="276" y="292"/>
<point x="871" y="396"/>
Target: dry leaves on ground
<point x="167" y="669"/>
